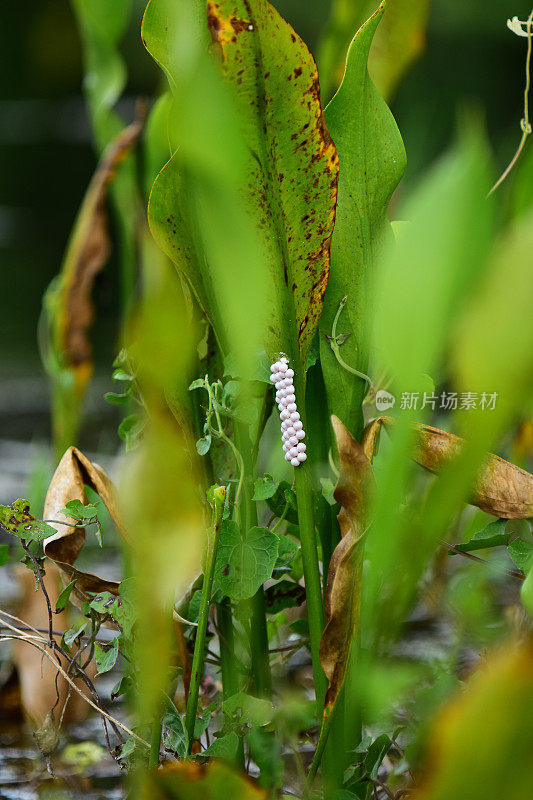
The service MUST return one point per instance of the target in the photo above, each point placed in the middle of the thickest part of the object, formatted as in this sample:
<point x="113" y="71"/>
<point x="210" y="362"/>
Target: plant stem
<point x="258" y="631"/>
<point x="155" y="742"/>
<point x="229" y="667"/>
<point x="205" y="600"/>
<point x="313" y="591"/>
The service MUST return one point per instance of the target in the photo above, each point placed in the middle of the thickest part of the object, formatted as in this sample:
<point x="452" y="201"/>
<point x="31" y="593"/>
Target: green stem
<point x="306" y="521"/>
<point x="336" y="348"/>
<point x="229" y="665"/>
<point x="197" y="669"/>
<point x="258" y="632"/>
<point x="155" y="742"/>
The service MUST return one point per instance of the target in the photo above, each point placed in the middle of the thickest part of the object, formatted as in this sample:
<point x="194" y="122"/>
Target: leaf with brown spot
<point x="67" y="352"/>
<point x="288" y="187"/>
<point x="343" y="593"/>
<point x="501" y="488"/>
<point x="373" y="160"/>
<point x="74" y="472"/>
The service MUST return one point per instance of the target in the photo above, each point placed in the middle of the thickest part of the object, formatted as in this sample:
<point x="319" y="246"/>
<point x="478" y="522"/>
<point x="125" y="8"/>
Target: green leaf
<point x="284" y="594"/>
<point x="284" y="494"/>
<point x="243" y="565"/>
<point x="127" y="748"/>
<point x="117" y="399"/>
<point x="287" y="550"/>
<point x="264" y="487"/>
<point x="63" y="598"/>
<point x="372" y="155"/>
<point x="376" y="753"/>
<point x="248" y="710"/>
<point x="327" y="490"/>
<point x="275" y="155"/>
<point x="122" y="686"/>
<point x="130" y="430"/>
<point x="492" y="535"/>
<point x="70" y="636"/>
<point x="203" y="444"/>
<point x="75" y="509"/>
<point x="174" y="733"/>
<point x="522" y="554"/>
<point x="105" y="658"/>
<point x="18" y="520"/>
<point x="120" y="375"/>
<point x="4" y="554"/>
<point x="223" y="747"/>
<point x="199" y="383"/>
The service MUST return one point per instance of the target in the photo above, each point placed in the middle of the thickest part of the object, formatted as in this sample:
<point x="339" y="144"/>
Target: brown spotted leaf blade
<point x="292" y="163"/>
<point x="68" y="302"/>
<point x="501" y="488"/>
<point x="74" y="472"/>
<point x="343" y="594"/>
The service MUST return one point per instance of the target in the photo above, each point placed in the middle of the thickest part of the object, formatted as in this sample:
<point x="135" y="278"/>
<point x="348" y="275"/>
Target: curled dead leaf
<point x="501" y="489"/>
<point x="74" y="472"/>
<point x="68" y="311"/>
<point x="343" y="593"/>
<point x="87" y="252"/>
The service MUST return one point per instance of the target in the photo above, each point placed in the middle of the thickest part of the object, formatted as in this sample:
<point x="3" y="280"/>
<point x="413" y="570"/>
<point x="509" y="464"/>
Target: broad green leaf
<point x="248" y="710"/>
<point x="243" y="565"/>
<point x="70" y="636"/>
<point x="63" y="598"/>
<point x="79" y="511"/>
<point x="284" y="496"/>
<point x="174" y="733"/>
<point x="287" y="549"/>
<point x="18" y="520"/>
<point x="522" y="554"/>
<point x="117" y="399"/>
<point x="223" y="747"/>
<point x="105" y="658"/>
<point x="130" y="430"/>
<point x="327" y="490"/>
<point x="292" y="164"/>
<point x="264" y="487"/>
<point x="264" y="140"/>
<point x="372" y="160"/>
<point x="399" y="42"/>
<point x="284" y="594"/>
<point x="376" y="753"/>
<point x="492" y="535"/>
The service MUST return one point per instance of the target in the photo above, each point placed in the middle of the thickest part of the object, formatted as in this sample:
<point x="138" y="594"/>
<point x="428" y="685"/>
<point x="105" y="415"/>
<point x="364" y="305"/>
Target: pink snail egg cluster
<point x="292" y="431"/>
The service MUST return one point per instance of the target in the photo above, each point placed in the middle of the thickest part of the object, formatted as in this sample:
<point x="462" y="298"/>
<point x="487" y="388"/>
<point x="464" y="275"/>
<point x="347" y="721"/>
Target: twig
<point x="459" y="552"/>
<point x="30" y="640"/>
<point x="39" y="576"/>
<point x="525" y="124"/>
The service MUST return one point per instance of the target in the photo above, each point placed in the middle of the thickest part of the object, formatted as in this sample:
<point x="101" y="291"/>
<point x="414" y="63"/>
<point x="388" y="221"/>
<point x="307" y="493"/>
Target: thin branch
<point x="30" y="640"/>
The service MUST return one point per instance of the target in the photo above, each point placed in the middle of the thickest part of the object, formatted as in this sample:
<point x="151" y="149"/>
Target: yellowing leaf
<point x="67" y="303"/>
<point x="185" y="780"/>
<point x="481" y="744"/>
<point x="343" y="594"/>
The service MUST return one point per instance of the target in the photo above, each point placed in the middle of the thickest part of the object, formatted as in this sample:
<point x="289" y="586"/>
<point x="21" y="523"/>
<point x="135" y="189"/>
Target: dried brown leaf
<point x="74" y="472"/>
<point x="343" y="593"/>
<point x="501" y="488"/>
<point x="87" y="253"/>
